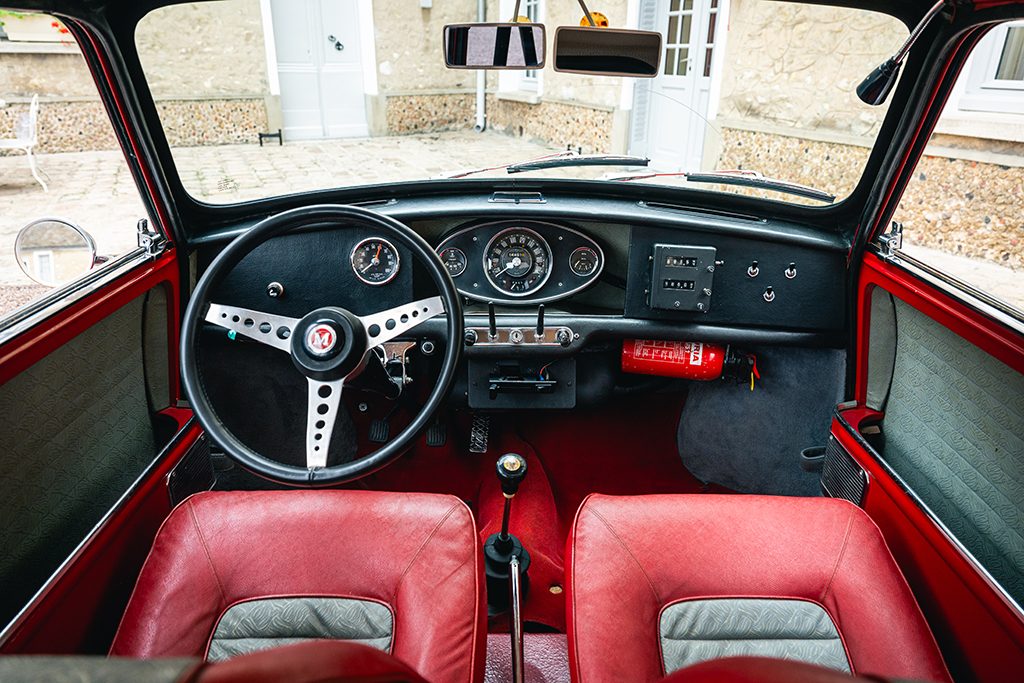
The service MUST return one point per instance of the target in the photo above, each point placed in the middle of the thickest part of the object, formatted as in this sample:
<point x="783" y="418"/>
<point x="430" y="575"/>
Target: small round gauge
<point x="375" y="261"/>
<point x="517" y="261"/>
<point x="583" y="261"/>
<point x="454" y="259"/>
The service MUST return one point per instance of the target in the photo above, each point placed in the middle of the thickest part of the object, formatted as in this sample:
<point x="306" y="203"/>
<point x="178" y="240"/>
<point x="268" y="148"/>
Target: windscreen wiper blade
<point x="755" y="179"/>
<point x="568" y="160"/>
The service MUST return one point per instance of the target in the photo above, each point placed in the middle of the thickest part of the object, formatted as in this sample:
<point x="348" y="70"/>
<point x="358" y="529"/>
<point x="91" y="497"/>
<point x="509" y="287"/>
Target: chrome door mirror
<point x="53" y="251"/>
<point x="607" y="51"/>
<point x="494" y="46"/>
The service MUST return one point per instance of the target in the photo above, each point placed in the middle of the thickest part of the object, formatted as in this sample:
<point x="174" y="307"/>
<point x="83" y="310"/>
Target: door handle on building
<point x="337" y="43"/>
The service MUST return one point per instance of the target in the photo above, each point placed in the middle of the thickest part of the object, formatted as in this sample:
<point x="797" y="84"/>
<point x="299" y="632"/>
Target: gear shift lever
<point x="502" y="546"/>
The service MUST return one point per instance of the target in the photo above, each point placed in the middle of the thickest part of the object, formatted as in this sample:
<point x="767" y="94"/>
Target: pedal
<point x="380" y="431"/>
<point x="479" y="433"/>
<point x="437" y="434"/>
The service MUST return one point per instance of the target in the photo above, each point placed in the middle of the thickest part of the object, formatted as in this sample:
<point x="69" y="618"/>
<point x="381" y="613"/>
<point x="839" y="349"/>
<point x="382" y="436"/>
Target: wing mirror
<point x="494" y="46"/>
<point x="607" y="51"/>
<point x="53" y="251"/>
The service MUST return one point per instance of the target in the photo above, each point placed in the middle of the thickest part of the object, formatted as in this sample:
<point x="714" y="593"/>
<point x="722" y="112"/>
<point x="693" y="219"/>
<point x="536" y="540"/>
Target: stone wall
<point x="428" y="113"/>
<point x="82" y="125"/>
<point x="967" y="208"/>
<point x="555" y="123"/>
<point x="958" y="206"/>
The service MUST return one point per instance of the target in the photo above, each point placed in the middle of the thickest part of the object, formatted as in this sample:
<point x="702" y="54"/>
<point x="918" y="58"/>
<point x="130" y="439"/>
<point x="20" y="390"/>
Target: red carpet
<point x="627" y="448"/>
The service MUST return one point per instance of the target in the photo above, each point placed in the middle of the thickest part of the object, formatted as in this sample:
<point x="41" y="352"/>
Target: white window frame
<point x="982" y="91"/>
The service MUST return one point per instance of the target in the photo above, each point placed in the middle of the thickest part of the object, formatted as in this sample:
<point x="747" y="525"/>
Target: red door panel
<point x="979" y="629"/>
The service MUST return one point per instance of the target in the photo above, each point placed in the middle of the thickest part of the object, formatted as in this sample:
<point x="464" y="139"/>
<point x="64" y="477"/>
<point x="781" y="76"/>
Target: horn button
<point x="328" y="344"/>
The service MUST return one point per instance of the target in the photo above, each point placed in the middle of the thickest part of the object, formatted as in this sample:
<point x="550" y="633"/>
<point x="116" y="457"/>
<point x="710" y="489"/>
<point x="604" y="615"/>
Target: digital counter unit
<point x="681" y="277"/>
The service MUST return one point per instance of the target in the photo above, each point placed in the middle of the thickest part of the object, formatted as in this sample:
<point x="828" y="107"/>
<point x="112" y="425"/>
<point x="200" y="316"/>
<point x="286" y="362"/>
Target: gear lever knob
<point x="511" y="472"/>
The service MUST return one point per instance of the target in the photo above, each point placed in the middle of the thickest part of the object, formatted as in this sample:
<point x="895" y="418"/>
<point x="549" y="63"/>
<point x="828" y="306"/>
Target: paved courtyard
<point x="95" y="190"/>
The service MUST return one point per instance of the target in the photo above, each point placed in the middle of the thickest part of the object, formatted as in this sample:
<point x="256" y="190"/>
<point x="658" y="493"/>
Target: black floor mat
<point x="750" y="441"/>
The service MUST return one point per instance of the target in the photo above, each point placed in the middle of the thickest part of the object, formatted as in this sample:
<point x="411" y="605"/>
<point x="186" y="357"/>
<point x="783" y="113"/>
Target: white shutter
<point x="647" y="21"/>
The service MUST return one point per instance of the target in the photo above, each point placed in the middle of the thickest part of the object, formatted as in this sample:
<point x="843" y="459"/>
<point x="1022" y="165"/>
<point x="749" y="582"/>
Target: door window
<point x="59" y="161"/>
<point x="963" y="210"/>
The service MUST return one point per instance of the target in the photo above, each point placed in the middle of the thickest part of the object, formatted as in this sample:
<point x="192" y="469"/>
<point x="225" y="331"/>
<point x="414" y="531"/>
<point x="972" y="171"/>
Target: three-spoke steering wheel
<point x="328" y="346"/>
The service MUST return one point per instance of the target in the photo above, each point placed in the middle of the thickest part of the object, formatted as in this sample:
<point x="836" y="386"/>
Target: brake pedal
<point x="437" y="434"/>
<point x="479" y="433"/>
<point x="380" y="431"/>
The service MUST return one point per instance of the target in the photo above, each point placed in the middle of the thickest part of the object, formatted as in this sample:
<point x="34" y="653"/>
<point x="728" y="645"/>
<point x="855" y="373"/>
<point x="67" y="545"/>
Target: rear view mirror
<point x="494" y="46"/>
<point x="607" y="51"/>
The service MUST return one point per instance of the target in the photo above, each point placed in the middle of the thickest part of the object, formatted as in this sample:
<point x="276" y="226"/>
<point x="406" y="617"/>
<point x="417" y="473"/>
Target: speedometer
<point x="517" y="261"/>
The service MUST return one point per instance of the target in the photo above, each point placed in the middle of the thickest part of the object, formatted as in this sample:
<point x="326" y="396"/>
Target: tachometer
<point x="375" y="261"/>
<point x="517" y="261"/>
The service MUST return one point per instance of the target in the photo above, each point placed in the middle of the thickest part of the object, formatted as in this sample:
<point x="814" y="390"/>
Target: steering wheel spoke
<point x="269" y="329"/>
<point x="321" y="413"/>
<point x="394" y="322"/>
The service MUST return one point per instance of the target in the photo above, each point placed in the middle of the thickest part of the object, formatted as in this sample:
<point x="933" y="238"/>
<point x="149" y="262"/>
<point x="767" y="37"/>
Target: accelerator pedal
<point x="479" y="433"/>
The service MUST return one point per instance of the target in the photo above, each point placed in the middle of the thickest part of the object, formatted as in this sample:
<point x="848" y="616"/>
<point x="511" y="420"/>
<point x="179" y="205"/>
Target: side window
<point x="963" y="210"/>
<point x="68" y="204"/>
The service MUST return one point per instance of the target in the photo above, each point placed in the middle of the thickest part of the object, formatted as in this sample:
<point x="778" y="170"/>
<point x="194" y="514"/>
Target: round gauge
<point x="454" y="259"/>
<point x="583" y="261"/>
<point x="517" y="261"/>
<point x="375" y="261"/>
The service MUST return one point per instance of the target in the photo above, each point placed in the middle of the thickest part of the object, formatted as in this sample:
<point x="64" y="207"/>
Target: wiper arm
<point x="755" y="179"/>
<point x="743" y="178"/>
<point x="565" y="161"/>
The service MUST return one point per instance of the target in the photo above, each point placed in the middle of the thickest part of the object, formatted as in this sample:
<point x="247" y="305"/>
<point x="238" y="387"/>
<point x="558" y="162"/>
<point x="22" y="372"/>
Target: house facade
<point x="734" y="91"/>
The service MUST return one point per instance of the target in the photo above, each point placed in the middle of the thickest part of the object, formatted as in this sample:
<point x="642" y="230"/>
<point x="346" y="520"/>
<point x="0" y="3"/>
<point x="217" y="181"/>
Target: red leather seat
<point x="687" y="578"/>
<point x="416" y="556"/>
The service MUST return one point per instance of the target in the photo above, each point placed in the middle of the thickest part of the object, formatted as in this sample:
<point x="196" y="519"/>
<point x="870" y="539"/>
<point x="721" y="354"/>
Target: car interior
<point x="574" y="416"/>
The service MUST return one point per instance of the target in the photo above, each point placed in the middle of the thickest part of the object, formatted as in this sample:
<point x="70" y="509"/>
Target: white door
<point x="676" y="101"/>
<point x="318" y="66"/>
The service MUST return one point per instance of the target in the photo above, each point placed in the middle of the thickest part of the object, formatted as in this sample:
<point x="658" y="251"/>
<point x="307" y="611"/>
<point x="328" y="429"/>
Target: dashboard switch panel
<point x="681" y="277"/>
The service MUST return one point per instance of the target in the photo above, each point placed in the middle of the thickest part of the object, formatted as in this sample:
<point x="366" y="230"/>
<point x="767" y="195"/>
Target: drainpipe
<point x="481" y="78"/>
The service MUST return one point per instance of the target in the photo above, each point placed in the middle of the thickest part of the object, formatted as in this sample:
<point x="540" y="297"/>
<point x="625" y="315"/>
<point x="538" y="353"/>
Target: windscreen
<point x="263" y="98"/>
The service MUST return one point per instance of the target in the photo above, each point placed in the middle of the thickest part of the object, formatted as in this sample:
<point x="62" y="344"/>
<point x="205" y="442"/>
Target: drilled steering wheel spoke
<point x="386" y="325"/>
<point x="321" y="413"/>
<point x="272" y="330"/>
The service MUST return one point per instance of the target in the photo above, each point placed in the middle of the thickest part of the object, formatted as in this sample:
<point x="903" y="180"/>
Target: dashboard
<point x="554" y="289"/>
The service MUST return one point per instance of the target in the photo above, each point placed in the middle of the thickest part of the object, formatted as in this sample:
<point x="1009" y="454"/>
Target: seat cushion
<point x="233" y="572"/>
<point x="656" y="583"/>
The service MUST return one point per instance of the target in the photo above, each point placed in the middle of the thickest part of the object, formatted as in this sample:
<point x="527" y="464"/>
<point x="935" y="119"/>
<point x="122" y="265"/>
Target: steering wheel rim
<point x="199" y="307"/>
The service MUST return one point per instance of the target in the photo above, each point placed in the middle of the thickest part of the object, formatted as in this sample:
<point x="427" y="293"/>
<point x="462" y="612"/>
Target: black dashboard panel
<point x="315" y="270"/>
<point x="808" y="308"/>
<point x="756" y="283"/>
<point x="557" y="255"/>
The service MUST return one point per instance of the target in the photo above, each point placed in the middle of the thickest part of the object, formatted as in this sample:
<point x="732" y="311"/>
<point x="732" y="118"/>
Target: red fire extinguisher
<point x="687" y="360"/>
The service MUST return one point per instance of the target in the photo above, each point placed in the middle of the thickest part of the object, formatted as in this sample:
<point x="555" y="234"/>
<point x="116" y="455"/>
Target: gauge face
<point x="583" y="261"/>
<point x="517" y="261"/>
<point x="375" y="261"/>
<point x="454" y="259"/>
